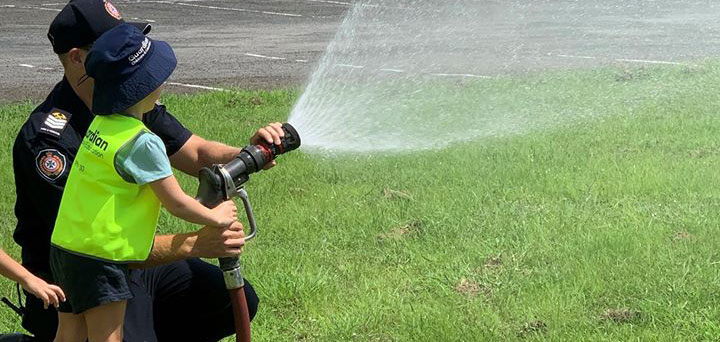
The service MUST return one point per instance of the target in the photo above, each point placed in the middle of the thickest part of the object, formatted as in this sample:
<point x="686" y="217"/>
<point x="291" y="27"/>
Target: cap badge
<point x="110" y="8"/>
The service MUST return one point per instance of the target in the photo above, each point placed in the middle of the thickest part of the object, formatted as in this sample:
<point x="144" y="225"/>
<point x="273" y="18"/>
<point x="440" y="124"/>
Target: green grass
<point x="602" y="231"/>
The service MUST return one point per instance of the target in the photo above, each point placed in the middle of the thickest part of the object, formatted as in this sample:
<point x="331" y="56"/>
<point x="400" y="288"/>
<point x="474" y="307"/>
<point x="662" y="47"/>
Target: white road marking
<point x="331" y="2"/>
<point x="30" y="7"/>
<point x="263" y="56"/>
<point x="344" y="3"/>
<point x="628" y="60"/>
<point x="63" y="4"/>
<point x="461" y="75"/>
<point x="32" y="67"/>
<point x="231" y="9"/>
<point x="648" y="61"/>
<point x="240" y="10"/>
<point x="155" y="1"/>
<point x="580" y="57"/>
<point x="349" y="66"/>
<point x="196" y="86"/>
<point x="43" y="8"/>
<point x="143" y="20"/>
<point x="343" y="65"/>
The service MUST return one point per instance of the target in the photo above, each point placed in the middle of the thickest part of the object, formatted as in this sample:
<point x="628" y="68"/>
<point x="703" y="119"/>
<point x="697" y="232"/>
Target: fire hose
<point x="223" y="182"/>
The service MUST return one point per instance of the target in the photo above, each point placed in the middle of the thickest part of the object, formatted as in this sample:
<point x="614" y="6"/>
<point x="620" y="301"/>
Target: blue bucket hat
<point x="127" y="66"/>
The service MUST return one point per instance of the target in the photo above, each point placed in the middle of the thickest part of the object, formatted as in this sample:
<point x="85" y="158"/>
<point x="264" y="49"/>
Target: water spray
<point x="223" y="182"/>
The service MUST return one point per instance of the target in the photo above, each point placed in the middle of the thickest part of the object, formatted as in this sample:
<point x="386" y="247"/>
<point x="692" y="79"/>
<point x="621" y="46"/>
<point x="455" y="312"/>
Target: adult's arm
<point x="197" y="152"/>
<point x="208" y="242"/>
<point x="189" y="152"/>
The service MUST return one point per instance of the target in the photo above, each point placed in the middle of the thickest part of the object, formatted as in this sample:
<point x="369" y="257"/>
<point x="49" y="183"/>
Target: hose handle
<point x="248" y="212"/>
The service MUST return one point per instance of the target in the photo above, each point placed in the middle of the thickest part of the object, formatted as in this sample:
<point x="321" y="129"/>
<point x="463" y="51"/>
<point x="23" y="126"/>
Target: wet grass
<point x="603" y="231"/>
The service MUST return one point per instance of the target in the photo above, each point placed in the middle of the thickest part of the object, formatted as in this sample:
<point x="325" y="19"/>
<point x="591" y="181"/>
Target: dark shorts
<point x="88" y="282"/>
<point x="171" y="301"/>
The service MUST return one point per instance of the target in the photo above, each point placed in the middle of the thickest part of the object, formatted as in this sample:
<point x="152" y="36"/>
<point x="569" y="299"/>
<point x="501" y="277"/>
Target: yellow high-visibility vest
<point x="102" y="215"/>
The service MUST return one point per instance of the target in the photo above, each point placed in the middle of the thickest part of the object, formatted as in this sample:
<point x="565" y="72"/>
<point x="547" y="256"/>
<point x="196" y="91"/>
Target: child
<point x="49" y="294"/>
<point x="120" y="177"/>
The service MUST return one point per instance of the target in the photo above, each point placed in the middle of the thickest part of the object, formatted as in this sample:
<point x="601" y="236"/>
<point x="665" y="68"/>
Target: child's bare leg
<point x="71" y="328"/>
<point x="105" y="322"/>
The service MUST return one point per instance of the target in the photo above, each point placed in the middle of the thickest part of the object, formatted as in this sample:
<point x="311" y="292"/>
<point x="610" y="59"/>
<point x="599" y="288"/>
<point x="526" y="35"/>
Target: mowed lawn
<point x="604" y="230"/>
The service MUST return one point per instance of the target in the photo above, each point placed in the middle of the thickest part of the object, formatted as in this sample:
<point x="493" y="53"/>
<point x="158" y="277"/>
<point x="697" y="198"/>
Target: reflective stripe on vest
<point x="102" y="215"/>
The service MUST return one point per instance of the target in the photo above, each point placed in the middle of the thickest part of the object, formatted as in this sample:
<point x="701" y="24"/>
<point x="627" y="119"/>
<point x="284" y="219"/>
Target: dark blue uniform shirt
<point x="42" y="154"/>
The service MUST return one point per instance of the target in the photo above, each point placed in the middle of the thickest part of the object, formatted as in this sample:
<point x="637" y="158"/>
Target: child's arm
<point x="178" y="203"/>
<point x="49" y="294"/>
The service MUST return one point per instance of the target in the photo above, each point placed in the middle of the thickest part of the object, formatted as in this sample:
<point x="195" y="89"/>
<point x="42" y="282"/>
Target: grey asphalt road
<point x="219" y="43"/>
<point x="276" y="43"/>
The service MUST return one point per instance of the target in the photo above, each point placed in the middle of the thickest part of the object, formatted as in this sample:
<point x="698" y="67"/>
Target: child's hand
<point x="49" y="294"/>
<point x="225" y="214"/>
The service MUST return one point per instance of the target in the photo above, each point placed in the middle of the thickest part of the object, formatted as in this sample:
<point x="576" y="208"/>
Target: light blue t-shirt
<point x="143" y="160"/>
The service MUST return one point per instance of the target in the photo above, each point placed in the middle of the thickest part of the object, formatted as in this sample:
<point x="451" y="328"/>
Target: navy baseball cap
<point x="81" y="22"/>
<point x="127" y="66"/>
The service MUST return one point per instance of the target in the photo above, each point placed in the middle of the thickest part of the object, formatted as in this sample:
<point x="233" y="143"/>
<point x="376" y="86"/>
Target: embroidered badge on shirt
<point x="50" y="163"/>
<point x="55" y="122"/>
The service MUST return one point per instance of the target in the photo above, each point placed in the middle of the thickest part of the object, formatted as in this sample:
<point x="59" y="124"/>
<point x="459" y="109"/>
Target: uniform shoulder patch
<point x="50" y="163"/>
<point x="55" y="122"/>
